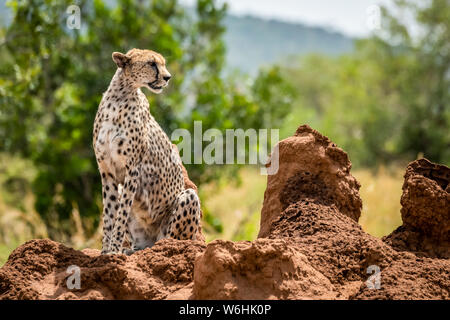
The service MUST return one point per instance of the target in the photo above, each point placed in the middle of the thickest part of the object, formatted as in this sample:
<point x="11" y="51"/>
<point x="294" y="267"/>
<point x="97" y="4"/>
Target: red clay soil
<point x="310" y="166"/>
<point x="310" y="245"/>
<point x="425" y="211"/>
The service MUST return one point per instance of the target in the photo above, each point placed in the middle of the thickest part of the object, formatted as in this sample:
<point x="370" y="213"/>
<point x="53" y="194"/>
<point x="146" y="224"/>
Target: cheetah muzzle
<point x="144" y="199"/>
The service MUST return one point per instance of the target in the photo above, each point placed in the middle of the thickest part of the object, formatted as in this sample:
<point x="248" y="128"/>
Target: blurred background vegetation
<point x="384" y="99"/>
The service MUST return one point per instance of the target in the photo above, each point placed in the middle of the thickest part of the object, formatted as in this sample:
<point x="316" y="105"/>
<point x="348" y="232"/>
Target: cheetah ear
<point x="120" y="59"/>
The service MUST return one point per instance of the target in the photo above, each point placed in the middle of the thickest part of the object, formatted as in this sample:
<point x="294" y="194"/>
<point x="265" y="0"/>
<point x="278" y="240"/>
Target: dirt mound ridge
<point x="425" y="211"/>
<point x="38" y="270"/>
<point x="262" y="269"/>
<point x="310" y="166"/>
<point x="310" y="245"/>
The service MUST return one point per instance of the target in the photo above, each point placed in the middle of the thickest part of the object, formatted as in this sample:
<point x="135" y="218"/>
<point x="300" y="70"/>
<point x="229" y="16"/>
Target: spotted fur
<point x="144" y="198"/>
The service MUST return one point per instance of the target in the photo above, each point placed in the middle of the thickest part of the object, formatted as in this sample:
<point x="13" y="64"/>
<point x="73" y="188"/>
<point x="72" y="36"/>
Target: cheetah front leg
<point x="110" y="207"/>
<point x="184" y="221"/>
<point x="126" y="201"/>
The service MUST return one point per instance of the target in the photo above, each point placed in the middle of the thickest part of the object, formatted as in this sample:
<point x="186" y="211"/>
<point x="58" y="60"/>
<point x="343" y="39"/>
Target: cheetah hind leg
<point x="185" y="219"/>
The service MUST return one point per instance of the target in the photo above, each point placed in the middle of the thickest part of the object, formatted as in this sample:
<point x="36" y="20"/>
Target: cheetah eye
<point x="153" y="64"/>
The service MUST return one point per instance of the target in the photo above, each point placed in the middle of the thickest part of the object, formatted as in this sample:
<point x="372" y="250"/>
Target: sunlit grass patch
<point x="236" y="205"/>
<point x="18" y="226"/>
<point x="380" y="192"/>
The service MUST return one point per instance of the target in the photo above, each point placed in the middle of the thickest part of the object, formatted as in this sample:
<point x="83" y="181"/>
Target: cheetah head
<point x="145" y="68"/>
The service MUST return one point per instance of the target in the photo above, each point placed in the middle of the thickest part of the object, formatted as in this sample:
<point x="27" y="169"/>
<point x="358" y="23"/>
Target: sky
<point x="351" y="17"/>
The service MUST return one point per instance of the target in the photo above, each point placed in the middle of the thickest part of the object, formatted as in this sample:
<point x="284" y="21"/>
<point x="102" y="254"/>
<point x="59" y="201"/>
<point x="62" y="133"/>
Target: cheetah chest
<point x="111" y="150"/>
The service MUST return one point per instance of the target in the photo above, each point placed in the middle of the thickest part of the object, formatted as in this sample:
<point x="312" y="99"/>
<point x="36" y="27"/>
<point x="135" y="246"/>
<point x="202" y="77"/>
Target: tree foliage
<point x="389" y="99"/>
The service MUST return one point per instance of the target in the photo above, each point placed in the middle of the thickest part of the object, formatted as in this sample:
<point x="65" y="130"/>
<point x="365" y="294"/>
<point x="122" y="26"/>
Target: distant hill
<point x="252" y="42"/>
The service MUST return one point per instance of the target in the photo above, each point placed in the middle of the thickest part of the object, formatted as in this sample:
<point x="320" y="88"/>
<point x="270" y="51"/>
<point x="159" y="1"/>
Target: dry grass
<point x="18" y="226"/>
<point x="236" y="205"/>
<point x="18" y="220"/>
<point x="380" y="192"/>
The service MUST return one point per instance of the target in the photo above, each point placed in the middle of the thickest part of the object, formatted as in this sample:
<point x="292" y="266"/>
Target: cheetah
<point x="144" y="198"/>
